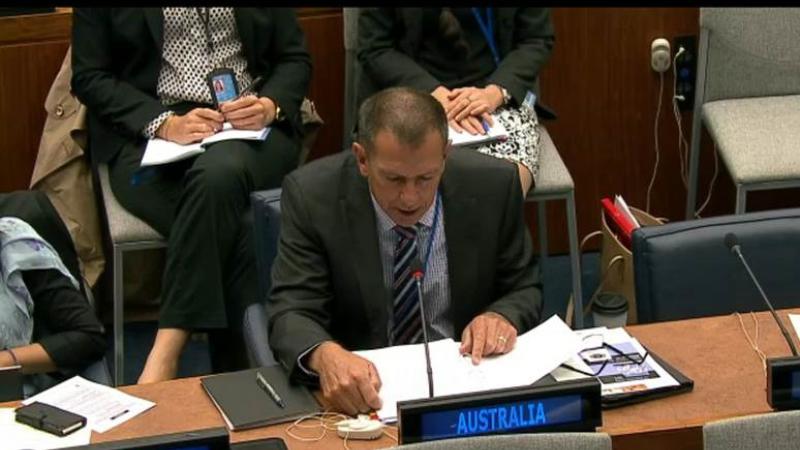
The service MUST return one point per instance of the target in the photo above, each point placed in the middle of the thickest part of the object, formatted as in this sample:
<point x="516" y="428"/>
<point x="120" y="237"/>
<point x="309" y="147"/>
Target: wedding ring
<point x="502" y="339"/>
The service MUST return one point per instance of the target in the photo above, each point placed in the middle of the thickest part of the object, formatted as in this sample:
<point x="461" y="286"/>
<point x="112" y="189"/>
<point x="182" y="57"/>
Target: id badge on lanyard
<point x="487" y="28"/>
<point x="221" y="81"/>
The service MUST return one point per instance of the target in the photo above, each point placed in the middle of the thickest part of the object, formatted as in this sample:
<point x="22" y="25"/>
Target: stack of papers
<point x="160" y="151"/>
<point x="404" y="376"/>
<point x="495" y="132"/>
<point x="620" y="375"/>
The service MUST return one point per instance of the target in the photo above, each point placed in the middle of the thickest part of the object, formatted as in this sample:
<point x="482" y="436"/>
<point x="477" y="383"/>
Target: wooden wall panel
<point x="323" y="30"/>
<point x="599" y="82"/>
<point x="31" y="51"/>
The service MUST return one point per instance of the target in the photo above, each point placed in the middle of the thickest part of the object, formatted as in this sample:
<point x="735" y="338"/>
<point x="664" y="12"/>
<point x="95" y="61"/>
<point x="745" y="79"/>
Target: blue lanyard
<point x="487" y="28"/>
<point x="433" y="234"/>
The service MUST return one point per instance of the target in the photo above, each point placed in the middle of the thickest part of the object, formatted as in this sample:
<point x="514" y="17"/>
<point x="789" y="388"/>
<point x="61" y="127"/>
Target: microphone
<point x="732" y="242"/>
<point x="417" y="272"/>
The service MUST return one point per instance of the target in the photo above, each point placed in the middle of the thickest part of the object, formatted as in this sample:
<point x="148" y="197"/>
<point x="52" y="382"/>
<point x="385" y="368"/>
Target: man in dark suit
<point x="142" y="73"/>
<point x="352" y="226"/>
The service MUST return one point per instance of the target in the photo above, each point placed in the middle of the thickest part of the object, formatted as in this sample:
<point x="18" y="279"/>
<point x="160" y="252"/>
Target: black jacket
<point x="389" y="38"/>
<point x="327" y="280"/>
<point x="116" y="60"/>
<point x="64" y="322"/>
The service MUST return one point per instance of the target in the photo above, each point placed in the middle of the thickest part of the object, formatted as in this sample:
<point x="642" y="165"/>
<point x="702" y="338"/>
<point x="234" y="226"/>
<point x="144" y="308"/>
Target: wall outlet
<point x="660" y="55"/>
<point x="685" y="71"/>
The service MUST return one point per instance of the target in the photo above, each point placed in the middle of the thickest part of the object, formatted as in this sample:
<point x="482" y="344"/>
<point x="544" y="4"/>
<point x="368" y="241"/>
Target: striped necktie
<point x="407" y="328"/>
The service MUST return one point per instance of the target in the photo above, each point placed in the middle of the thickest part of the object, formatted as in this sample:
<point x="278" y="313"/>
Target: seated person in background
<point x="38" y="293"/>
<point x="141" y="72"/>
<point x="474" y="61"/>
<point x="352" y="223"/>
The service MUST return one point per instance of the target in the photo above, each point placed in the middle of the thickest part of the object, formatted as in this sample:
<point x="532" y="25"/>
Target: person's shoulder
<point x="322" y="176"/>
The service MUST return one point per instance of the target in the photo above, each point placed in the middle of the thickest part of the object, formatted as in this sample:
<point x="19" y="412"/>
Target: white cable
<point x="753" y="342"/>
<point x="655" y="133"/>
<point x="326" y="422"/>
<point x="710" y="185"/>
<point x="683" y="146"/>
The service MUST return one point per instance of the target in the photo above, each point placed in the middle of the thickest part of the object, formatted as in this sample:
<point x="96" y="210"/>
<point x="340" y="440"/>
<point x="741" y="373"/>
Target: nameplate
<point x="564" y="407"/>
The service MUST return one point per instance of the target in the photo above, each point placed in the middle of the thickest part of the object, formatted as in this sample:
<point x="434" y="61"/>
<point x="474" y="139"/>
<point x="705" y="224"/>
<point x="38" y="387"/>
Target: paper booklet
<point x="620" y="375"/>
<point x="160" y="151"/>
<point x="404" y="377"/>
<point x="496" y="132"/>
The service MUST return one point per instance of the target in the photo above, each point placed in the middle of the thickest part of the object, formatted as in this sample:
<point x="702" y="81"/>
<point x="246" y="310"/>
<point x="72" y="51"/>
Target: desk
<point x="713" y="351"/>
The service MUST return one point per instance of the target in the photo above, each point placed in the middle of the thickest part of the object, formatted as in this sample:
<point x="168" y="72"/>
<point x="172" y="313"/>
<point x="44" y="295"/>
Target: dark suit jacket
<point x="389" y="39"/>
<point x="116" y="60"/>
<point x="327" y="280"/>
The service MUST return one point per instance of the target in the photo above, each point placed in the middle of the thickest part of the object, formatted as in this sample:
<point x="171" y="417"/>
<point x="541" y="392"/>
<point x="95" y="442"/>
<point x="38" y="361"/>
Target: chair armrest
<point x="256" y="336"/>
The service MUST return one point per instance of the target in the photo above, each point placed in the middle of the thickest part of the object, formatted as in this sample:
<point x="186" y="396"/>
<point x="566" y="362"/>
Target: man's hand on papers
<point x="193" y="126"/>
<point x="349" y="382"/>
<point x="249" y="112"/>
<point x="488" y="334"/>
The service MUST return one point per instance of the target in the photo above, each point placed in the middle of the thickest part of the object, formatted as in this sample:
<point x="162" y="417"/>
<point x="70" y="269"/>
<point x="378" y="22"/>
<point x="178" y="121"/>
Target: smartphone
<point x="222" y="84"/>
<point x="10" y="383"/>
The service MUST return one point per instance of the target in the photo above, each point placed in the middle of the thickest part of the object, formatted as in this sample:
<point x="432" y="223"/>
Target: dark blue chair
<point x="684" y="270"/>
<point x="266" y="207"/>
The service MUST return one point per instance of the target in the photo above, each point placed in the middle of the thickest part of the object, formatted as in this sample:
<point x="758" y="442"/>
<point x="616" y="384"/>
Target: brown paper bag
<point x="616" y="266"/>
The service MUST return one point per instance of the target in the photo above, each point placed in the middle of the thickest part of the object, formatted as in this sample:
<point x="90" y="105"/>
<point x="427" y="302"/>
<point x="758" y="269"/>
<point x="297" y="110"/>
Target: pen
<point x="253" y="84"/>
<point x="485" y="125"/>
<point x="118" y="415"/>
<point x="264" y="384"/>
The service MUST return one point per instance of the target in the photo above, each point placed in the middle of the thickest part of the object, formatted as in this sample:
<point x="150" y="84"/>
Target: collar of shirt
<point x="386" y="223"/>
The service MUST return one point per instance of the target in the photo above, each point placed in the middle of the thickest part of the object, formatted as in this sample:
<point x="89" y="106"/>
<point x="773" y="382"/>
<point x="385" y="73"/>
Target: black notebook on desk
<point x="244" y="404"/>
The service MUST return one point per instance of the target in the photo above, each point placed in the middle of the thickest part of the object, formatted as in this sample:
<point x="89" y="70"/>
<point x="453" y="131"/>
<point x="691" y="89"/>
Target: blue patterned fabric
<point x="21" y="248"/>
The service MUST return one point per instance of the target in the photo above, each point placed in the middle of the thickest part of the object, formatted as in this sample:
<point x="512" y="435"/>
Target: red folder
<point x="618" y="222"/>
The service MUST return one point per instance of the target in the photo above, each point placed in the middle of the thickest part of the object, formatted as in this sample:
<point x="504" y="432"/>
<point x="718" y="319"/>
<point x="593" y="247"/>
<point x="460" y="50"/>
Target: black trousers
<point x="201" y="206"/>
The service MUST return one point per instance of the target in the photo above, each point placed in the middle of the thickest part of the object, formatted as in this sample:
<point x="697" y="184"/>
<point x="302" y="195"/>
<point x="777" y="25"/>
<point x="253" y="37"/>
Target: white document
<point x="795" y="319"/>
<point x="160" y="151"/>
<point x="621" y="205"/>
<point x="496" y="131"/>
<point x="104" y="407"/>
<point x="403" y="372"/>
<point x="18" y="436"/>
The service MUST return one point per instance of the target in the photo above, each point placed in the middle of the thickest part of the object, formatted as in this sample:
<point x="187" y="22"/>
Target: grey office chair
<point x="553" y="183"/>
<point x="775" y="431"/>
<point x="544" y="441"/>
<point x="747" y="97"/>
<point x="128" y="233"/>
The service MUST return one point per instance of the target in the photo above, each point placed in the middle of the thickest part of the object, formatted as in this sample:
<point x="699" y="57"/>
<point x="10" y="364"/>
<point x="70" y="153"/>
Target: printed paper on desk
<point x="403" y="372"/>
<point x="795" y="319"/>
<point x="104" y="407"/>
<point x="620" y="375"/>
